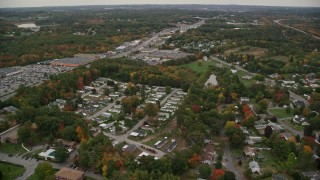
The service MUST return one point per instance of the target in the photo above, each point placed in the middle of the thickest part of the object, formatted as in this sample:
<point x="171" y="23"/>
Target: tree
<point x="205" y="171"/>
<point x="24" y="133"/>
<point x="43" y="170"/>
<point x="229" y="175"/>
<point x="69" y="133"/>
<point x="168" y="89"/>
<point x="298" y="138"/>
<point x="126" y="105"/>
<point x="61" y="154"/>
<point x="106" y="91"/>
<point x="151" y="109"/>
<point x="267" y="131"/>
<point x="217" y="173"/>
<point x="291" y="161"/>
<point x="218" y="165"/>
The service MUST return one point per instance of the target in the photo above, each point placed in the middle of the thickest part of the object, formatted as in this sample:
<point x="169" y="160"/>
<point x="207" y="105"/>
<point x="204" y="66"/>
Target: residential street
<point x="106" y="108"/>
<point x="229" y="162"/>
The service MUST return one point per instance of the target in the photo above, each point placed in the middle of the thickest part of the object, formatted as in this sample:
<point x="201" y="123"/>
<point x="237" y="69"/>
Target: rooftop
<point x="70" y="174"/>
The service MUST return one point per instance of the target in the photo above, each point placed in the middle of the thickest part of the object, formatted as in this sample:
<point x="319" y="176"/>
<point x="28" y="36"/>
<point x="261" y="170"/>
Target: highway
<point x="157" y="35"/>
<point x="278" y="22"/>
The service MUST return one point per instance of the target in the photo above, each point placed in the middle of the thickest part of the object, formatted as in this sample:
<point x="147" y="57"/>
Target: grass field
<point x="11" y="148"/>
<point x="10" y="171"/>
<point x="281" y="113"/>
<point x="246" y="82"/>
<point x="257" y="52"/>
<point x="200" y="66"/>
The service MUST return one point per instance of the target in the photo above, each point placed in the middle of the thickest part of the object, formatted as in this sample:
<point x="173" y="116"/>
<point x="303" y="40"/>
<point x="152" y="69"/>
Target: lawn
<point x="200" y="66"/>
<point x="281" y="113"/>
<point x="153" y="141"/>
<point x="10" y="171"/>
<point x="246" y="82"/>
<point x="12" y="148"/>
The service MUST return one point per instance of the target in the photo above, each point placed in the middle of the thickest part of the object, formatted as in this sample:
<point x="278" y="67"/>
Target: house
<point x="208" y="155"/>
<point x="106" y="115"/>
<point x="234" y="71"/>
<point x="244" y="100"/>
<point x="276" y="127"/>
<point x="248" y="151"/>
<point x="129" y="148"/>
<point x="298" y="103"/>
<point x="247" y="77"/>
<point x="254" y="166"/>
<point x="141" y="133"/>
<point x="212" y="81"/>
<point x="172" y="146"/>
<point x="162" y="143"/>
<point x="313" y="175"/>
<point x="69" y="174"/>
<point x="69" y="144"/>
<point x="254" y="139"/>
<point x="299" y="119"/>
<point x="9" y="110"/>
<point x="285" y="136"/>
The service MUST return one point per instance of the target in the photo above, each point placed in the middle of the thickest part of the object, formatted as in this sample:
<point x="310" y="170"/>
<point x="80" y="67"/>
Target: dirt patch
<point x="95" y="21"/>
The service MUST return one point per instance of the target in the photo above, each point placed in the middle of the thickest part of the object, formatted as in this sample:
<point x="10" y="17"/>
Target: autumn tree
<point x="217" y="173"/>
<point x="151" y="109"/>
<point x="126" y="105"/>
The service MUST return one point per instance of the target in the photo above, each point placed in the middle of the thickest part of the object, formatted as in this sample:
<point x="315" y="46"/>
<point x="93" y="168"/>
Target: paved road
<point x="229" y="162"/>
<point x="278" y="22"/>
<point x="106" y="108"/>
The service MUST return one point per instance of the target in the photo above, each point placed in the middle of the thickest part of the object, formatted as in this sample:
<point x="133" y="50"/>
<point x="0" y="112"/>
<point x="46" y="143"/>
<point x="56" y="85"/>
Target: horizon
<point x="70" y="3"/>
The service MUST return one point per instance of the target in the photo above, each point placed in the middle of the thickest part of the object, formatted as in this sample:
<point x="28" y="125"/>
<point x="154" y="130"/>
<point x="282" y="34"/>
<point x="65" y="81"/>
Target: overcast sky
<point x="39" y="3"/>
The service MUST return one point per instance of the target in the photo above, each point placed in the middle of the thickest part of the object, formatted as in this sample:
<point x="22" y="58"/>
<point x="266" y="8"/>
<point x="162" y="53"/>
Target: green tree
<point x="168" y="89"/>
<point x="291" y="161"/>
<point x="43" y="170"/>
<point x="69" y="133"/>
<point x="61" y="154"/>
<point x="106" y="91"/>
<point x="24" y="133"/>
<point x="229" y="176"/>
<point x="205" y="171"/>
<point x="268" y="131"/>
